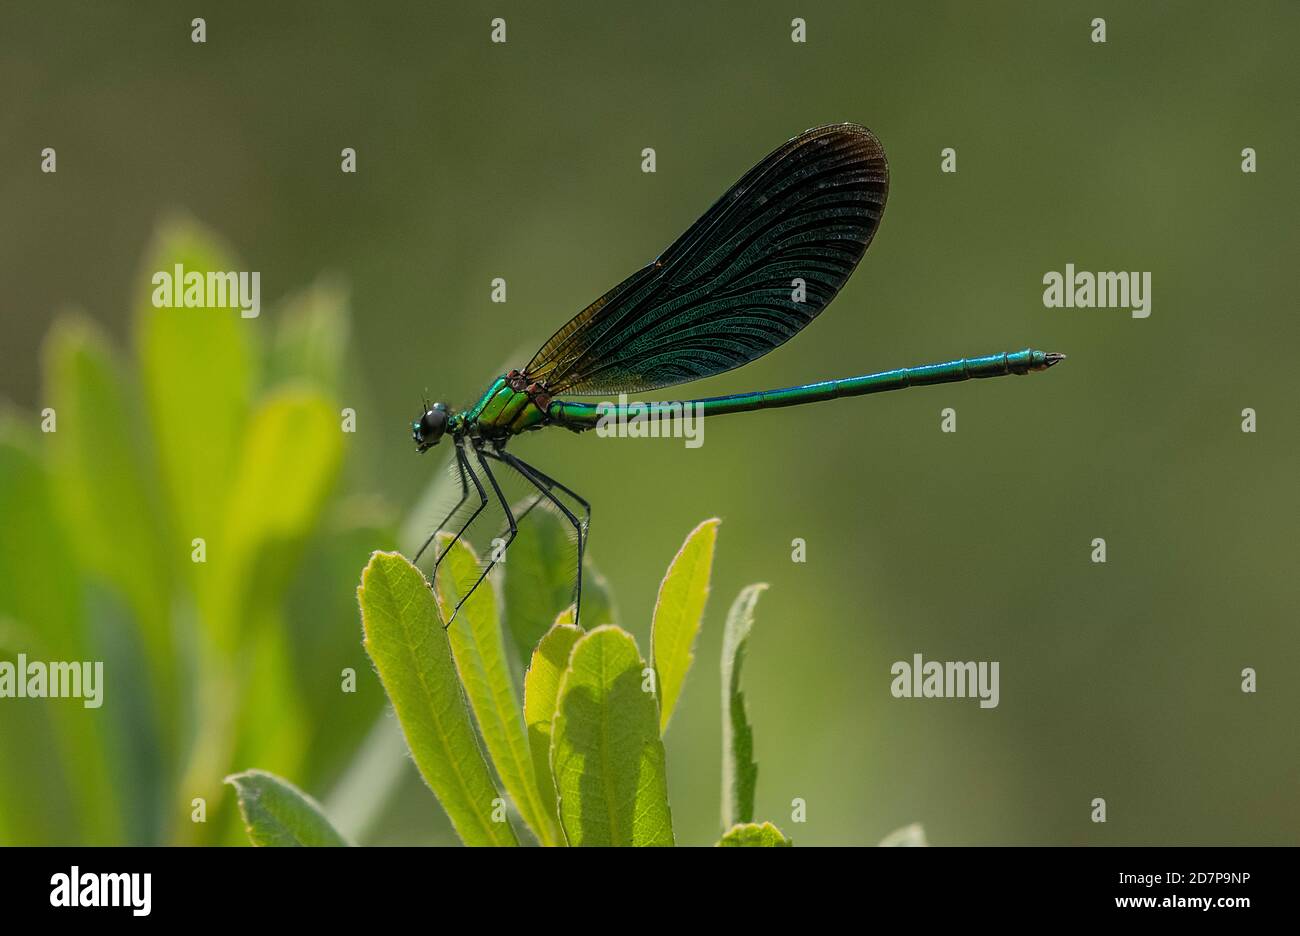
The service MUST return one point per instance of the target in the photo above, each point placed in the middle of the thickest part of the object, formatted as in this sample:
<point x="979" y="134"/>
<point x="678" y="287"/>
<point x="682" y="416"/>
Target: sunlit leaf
<point x="311" y="337"/>
<point x="40" y="599"/>
<point x="198" y="369"/>
<point x="678" y="612"/>
<point x="292" y="450"/>
<point x="606" y="754"/>
<point x="103" y="489"/>
<point x="411" y="652"/>
<point x="752" y="835"/>
<point x="479" y="650"/>
<point x="278" y="813"/>
<point x="541" y="689"/>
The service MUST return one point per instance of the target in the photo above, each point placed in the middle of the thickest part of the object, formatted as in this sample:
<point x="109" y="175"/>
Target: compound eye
<point x="433" y="424"/>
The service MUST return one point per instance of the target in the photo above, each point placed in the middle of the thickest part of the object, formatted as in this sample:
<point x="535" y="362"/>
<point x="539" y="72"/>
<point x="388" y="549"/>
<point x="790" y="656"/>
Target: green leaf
<point x="739" y="772"/>
<point x="909" y="836"/>
<point x="606" y="753"/>
<point x="412" y="655"/>
<point x="311" y="336"/>
<point x="107" y="495"/>
<point x="291" y="454"/>
<point x="291" y="451"/>
<point x="35" y="806"/>
<point x="678" y="612"/>
<point x="278" y="813"/>
<point x="279" y="744"/>
<point x="538" y="581"/>
<point x="541" y="690"/>
<point x="479" y="650"/>
<point x="324" y="589"/>
<point x="105" y="492"/>
<point x="753" y="835"/>
<point x="41" y="600"/>
<point x="198" y="372"/>
<point x="41" y="587"/>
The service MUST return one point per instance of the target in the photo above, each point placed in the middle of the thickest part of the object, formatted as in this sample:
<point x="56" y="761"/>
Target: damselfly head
<point x="428" y="429"/>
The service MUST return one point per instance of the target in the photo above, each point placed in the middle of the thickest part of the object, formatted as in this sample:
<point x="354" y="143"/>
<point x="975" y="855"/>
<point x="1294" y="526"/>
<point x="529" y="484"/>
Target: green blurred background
<point x="522" y="161"/>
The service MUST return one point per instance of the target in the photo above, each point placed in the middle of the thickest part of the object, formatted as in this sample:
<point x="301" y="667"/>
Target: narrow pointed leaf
<point x="311" y="337"/>
<point x="541" y="689"/>
<point x="678" y="612"/>
<point x="278" y="813"/>
<point x="739" y="772"/>
<point x="291" y="453"/>
<point x="198" y="368"/>
<point x="753" y="835"/>
<point x="104" y="489"/>
<point x="606" y="753"/>
<point x="538" y="582"/>
<point x="324" y="589"/>
<point x="479" y="651"/>
<point x="41" y="595"/>
<point x="278" y="744"/>
<point x="411" y="653"/>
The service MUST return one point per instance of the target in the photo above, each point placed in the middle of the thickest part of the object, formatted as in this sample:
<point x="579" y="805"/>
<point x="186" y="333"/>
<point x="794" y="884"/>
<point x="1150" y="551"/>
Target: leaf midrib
<point x="433" y="709"/>
<point x="604" y="752"/>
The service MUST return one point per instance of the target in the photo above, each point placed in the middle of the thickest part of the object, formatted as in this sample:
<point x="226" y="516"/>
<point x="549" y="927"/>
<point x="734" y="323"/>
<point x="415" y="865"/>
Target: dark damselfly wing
<point x="724" y="293"/>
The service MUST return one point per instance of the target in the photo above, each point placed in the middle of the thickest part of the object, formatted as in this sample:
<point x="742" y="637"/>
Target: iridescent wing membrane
<point x="724" y="293"/>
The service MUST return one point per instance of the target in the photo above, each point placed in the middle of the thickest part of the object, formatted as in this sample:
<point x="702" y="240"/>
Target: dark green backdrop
<point x="522" y="160"/>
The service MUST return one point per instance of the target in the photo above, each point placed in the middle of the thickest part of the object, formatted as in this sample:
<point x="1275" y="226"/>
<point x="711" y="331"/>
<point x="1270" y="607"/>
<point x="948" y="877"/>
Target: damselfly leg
<point x="498" y="550"/>
<point x="544" y="483"/>
<point x="464" y="469"/>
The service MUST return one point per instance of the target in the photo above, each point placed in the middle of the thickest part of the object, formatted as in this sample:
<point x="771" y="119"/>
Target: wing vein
<point x="723" y="293"/>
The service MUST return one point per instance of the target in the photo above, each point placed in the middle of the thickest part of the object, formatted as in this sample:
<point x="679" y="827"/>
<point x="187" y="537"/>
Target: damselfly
<point x="745" y="278"/>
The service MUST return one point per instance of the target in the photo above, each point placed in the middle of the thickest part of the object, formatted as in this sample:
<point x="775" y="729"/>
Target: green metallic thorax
<point x="501" y="412"/>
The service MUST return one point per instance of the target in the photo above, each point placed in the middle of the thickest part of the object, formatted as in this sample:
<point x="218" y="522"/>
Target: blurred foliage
<point x="222" y="430"/>
<point x="184" y="521"/>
